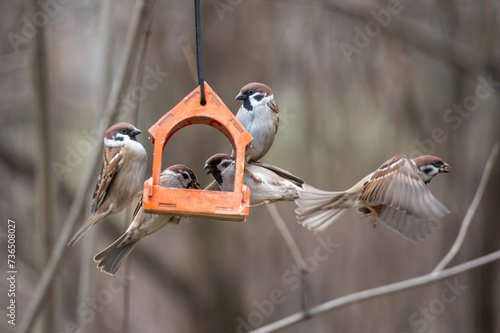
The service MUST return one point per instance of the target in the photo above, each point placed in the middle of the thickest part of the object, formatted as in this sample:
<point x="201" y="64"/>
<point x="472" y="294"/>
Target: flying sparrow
<point x="259" y="115"/>
<point x="122" y="175"/>
<point x="276" y="184"/>
<point x="144" y="224"/>
<point x="396" y="193"/>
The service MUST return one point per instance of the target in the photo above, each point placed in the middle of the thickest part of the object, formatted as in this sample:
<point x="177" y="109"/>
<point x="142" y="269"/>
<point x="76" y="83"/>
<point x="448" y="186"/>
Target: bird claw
<point x="257" y="179"/>
<point x="265" y="202"/>
<point x="372" y="214"/>
<point x="254" y="177"/>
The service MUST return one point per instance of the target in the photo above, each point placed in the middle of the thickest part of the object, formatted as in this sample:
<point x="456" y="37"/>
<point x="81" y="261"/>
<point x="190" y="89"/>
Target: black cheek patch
<point x="247" y="105"/>
<point x="118" y="137"/>
<point x="427" y="170"/>
<point x="258" y="97"/>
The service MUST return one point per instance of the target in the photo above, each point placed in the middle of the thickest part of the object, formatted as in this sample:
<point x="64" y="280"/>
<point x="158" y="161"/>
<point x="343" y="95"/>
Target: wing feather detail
<point x="280" y="172"/>
<point x="397" y="184"/>
<point x="111" y="159"/>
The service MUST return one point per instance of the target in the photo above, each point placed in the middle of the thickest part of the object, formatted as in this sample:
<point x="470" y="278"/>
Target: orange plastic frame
<point x="229" y="206"/>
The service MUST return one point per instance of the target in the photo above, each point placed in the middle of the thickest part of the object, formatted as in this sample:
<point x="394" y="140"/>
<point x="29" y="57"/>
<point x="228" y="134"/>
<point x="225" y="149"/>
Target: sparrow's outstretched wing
<point x="409" y="202"/>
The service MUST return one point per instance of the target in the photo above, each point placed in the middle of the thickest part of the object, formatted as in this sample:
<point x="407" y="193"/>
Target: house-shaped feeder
<point x="229" y="206"/>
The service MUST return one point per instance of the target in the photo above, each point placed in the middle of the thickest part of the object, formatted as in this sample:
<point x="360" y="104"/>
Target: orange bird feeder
<point x="229" y="206"/>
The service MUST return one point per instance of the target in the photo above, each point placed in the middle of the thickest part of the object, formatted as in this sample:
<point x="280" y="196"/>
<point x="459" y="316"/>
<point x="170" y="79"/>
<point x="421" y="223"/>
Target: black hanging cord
<point x="199" y="55"/>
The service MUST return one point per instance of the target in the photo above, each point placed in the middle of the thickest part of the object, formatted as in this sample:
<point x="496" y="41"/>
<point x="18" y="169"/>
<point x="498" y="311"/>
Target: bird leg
<point x="371" y="212"/>
<point x="254" y="177"/>
<point x="265" y="202"/>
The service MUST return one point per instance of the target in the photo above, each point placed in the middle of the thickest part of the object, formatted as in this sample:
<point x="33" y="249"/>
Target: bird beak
<point x="207" y="167"/>
<point x="445" y="168"/>
<point x="195" y="184"/>
<point x="240" y="96"/>
<point x="135" y="132"/>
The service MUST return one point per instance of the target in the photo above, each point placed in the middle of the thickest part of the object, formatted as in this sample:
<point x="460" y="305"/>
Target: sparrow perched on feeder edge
<point x="276" y="184"/>
<point x="259" y="115"/>
<point x="396" y="193"/>
<point x="122" y="175"/>
<point x="144" y="224"/>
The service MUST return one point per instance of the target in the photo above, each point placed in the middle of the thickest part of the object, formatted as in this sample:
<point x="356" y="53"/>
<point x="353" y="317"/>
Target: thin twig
<point x="374" y="292"/>
<point x="287" y="236"/>
<point x="414" y="33"/>
<point x="294" y="250"/>
<point x="405" y="284"/>
<point x="135" y="120"/>
<point x="111" y="112"/>
<point x="86" y="280"/>
<point x="126" y="287"/>
<point x="46" y="223"/>
<point x="190" y="58"/>
<point x="470" y="212"/>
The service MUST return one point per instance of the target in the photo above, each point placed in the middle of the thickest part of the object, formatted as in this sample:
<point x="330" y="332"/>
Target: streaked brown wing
<point x="411" y="227"/>
<point x="397" y="184"/>
<point x="280" y="172"/>
<point x="137" y="208"/>
<point x="111" y="158"/>
<point x="275" y="108"/>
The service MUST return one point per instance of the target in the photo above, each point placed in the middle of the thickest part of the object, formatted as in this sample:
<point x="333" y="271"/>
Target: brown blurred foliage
<point x="356" y="83"/>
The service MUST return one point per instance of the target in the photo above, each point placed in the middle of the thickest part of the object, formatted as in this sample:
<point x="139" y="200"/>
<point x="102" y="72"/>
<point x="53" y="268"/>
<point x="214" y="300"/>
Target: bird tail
<point x="318" y="209"/>
<point x="111" y="258"/>
<point x="83" y="229"/>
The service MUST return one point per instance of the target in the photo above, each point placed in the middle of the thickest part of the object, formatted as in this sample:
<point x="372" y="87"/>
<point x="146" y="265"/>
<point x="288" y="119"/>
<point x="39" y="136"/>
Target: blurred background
<point x="356" y="83"/>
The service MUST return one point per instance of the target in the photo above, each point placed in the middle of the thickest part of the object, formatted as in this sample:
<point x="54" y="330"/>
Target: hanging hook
<point x="199" y="54"/>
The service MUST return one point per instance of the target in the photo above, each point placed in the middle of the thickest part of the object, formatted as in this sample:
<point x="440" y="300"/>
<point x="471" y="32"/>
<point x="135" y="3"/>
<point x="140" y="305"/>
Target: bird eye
<point x="437" y="163"/>
<point x="251" y="92"/>
<point x="124" y="131"/>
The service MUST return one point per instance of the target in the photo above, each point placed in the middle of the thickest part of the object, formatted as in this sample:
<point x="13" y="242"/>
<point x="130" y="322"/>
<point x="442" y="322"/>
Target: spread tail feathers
<point x="86" y="226"/>
<point x="111" y="258"/>
<point x="318" y="209"/>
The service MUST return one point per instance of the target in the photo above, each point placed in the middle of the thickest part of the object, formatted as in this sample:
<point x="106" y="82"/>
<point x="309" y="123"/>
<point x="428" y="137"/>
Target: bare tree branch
<point x="379" y="291"/>
<point x="417" y="35"/>
<point x="436" y="274"/>
<point x="294" y="250"/>
<point x="101" y="93"/>
<point x="287" y="236"/>
<point x="125" y="69"/>
<point x="135" y="117"/>
<point x="46" y="224"/>
<point x="190" y="58"/>
<point x="470" y="212"/>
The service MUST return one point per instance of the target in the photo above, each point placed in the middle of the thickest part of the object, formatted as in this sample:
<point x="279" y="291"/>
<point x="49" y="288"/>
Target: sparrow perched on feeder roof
<point x="276" y="184"/>
<point x="144" y="224"/>
<point x="396" y="193"/>
<point x="259" y="115"/>
<point x="122" y="175"/>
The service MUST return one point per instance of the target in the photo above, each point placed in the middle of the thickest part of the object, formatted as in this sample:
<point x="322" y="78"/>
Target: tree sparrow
<point x="144" y="224"/>
<point x="276" y="184"/>
<point x="395" y="193"/>
<point x="259" y="116"/>
<point x="122" y="175"/>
